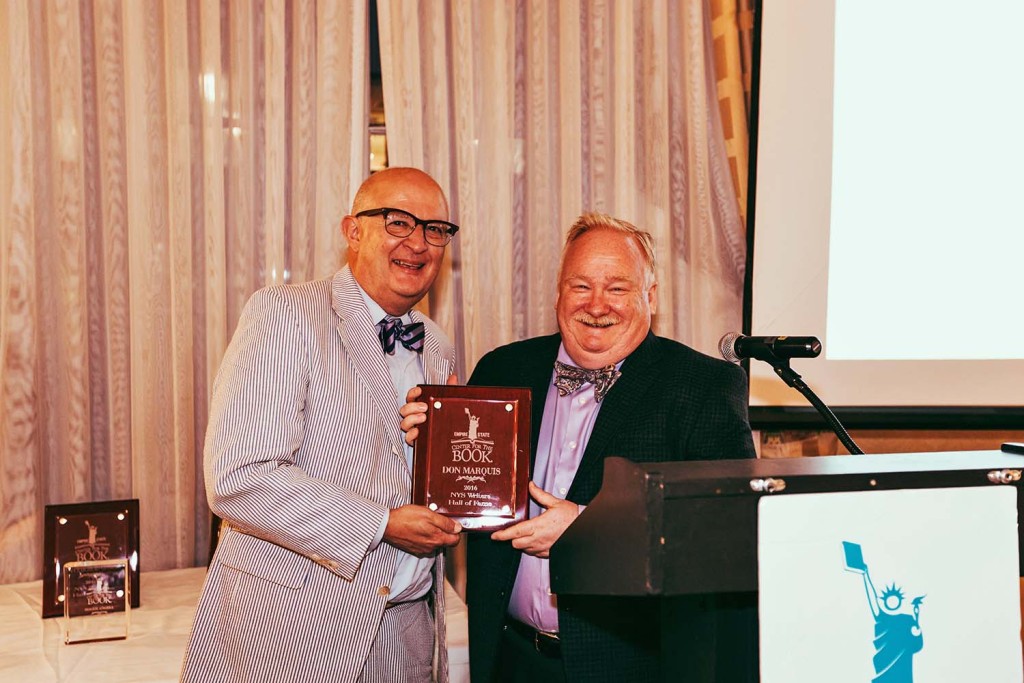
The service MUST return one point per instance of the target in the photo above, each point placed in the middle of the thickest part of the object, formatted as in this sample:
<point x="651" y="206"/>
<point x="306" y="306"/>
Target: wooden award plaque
<point x="472" y="457"/>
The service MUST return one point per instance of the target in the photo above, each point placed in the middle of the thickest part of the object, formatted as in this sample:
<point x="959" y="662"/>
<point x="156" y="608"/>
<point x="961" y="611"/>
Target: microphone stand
<point x="790" y="377"/>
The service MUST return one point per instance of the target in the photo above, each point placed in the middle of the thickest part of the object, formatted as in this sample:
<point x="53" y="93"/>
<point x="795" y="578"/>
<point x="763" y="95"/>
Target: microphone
<point x="735" y="347"/>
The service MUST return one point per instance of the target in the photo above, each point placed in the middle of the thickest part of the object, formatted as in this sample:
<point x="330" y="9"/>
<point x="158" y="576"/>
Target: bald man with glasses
<point x="324" y="570"/>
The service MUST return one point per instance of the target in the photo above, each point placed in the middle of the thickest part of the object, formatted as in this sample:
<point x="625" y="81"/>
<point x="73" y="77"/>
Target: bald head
<point x="379" y="189"/>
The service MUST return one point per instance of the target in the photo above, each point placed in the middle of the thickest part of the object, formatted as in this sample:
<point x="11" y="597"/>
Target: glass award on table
<point x="472" y="456"/>
<point x="80" y="532"/>
<point x="97" y="600"/>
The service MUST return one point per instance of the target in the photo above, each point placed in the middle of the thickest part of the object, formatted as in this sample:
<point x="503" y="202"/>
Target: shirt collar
<point x="563" y="357"/>
<point x="376" y="312"/>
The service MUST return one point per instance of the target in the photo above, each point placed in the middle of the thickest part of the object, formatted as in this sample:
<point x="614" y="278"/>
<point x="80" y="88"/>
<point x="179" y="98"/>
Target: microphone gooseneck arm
<point x="793" y="379"/>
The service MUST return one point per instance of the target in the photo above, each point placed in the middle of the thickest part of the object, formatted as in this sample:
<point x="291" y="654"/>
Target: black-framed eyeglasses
<point x="402" y="224"/>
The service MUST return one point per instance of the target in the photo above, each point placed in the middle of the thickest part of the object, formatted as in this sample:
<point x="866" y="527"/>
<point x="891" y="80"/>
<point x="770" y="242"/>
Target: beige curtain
<point x="159" y="161"/>
<point x="532" y="111"/>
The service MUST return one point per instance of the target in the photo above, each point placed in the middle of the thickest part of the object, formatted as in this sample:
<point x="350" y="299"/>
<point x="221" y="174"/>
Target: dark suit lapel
<point x="528" y="365"/>
<point x="626" y="397"/>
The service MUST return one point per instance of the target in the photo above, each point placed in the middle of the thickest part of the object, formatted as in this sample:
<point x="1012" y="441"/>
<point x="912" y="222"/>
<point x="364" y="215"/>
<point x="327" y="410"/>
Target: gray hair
<point x="602" y="221"/>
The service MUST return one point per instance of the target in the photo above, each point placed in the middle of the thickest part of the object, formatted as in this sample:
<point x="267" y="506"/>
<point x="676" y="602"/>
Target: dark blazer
<point x="671" y="403"/>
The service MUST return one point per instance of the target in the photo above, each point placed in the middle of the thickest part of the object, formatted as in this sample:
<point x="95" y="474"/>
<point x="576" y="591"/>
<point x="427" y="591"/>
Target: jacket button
<point x="384" y="591"/>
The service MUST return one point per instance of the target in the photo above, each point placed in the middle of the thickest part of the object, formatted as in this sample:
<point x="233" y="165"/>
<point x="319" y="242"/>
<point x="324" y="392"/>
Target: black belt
<point x="544" y="642"/>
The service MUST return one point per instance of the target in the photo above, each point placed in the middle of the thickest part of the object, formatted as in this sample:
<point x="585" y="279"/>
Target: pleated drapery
<point x="530" y="112"/>
<point x="159" y="161"/>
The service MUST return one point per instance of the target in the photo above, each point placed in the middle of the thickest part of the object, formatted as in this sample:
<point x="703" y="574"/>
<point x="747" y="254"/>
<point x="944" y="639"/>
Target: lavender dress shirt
<point x="564" y="432"/>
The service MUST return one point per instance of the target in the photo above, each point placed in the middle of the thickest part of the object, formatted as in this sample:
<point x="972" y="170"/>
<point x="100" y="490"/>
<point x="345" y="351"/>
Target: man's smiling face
<point x="606" y="298"/>
<point x="395" y="271"/>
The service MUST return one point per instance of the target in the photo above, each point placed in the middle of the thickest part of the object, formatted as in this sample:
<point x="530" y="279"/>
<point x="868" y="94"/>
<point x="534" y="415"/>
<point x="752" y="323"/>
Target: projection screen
<point x="886" y="203"/>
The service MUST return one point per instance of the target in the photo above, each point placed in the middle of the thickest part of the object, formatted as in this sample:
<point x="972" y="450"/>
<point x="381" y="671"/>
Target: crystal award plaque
<point x="97" y="600"/>
<point x="78" y="532"/>
<point x="472" y="456"/>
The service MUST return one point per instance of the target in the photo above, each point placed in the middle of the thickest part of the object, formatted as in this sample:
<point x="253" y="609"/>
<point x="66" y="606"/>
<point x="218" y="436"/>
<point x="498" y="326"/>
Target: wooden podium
<point x="687" y="533"/>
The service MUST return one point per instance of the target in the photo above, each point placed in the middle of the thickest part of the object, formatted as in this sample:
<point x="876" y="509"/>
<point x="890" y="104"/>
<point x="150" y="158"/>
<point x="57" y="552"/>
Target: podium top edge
<point x="830" y="465"/>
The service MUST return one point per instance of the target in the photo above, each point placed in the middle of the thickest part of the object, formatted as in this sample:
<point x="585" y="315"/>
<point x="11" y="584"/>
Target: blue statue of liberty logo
<point x="897" y="634"/>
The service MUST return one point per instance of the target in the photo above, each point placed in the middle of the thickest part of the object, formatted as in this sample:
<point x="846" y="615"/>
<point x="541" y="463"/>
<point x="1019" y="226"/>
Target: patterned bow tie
<point x="569" y="378"/>
<point x="390" y="330"/>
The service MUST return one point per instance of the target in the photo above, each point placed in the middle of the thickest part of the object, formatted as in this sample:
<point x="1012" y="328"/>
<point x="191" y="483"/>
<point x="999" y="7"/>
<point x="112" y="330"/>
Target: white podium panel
<point x="890" y="586"/>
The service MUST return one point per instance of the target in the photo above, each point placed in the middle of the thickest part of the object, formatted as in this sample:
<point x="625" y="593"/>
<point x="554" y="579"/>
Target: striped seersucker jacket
<point x="303" y="455"/>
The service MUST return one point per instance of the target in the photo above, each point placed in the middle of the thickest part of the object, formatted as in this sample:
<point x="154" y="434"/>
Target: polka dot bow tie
<point x="391" y="330"/>
<point x="569" y="378"/>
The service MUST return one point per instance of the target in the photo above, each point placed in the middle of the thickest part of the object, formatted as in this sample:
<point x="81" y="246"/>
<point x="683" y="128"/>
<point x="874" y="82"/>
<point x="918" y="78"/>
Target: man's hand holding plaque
<point x="471" y="452"/>
<point x="536" y="536"/>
